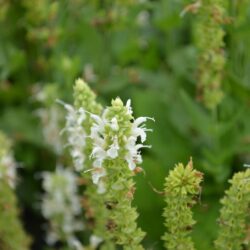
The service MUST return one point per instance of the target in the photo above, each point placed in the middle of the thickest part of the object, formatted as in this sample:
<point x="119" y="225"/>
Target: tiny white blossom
<point x="75" y="244"/>
<point x="89" y="73"/>
<point x="101" y="187"/>
<point x="8" y="168"/>
<point x="112" y="152"/>
<point x="114" y="124"/>
<point x="97" y="173"/>
<point x="95" y="241"/>
<point x="142" y="19"/>
<point x="76" y="134"/>
<point x="129" y="108"/>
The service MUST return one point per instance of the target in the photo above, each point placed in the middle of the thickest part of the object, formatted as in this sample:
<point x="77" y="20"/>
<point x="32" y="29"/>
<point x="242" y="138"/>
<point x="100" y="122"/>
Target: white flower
<point x="142" y="19"/>
<point x="76" y="134"/>
<point x="133" y="155"/>
<point x="97" y="173"/>
<point x="8" y="168"/>
<point x="129" y="108"/>
<point x="112" y="152"/>
<point x="101" y="187"/>
<point x="114" y="124"/>
<point x="61" y="205"/>
<point x="89" y="73"/>
<point x="75" y="244"/>
<point x="95" y="241"/>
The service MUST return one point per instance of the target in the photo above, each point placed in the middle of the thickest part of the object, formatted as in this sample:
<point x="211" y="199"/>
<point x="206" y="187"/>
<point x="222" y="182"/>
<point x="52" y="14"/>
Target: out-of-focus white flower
<point x="76" y="134"/>
<point x="89" y="73"/>
<point x="8" y="168"/>
<point x="143" y="18"/>
<point x="50" y="115"/>
<point x="112" y="152"/>
<point x="51" y="119"/>
<point x="97" y="173"/>
<point x="75" y="244"/>
<point x="61" y="205"/>
<point x="95" y="241"/>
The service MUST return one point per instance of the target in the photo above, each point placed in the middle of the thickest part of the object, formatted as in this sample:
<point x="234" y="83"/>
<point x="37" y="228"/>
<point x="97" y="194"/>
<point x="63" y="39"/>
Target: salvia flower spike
<point x="234" y="213"/>
<point x="209" y="38"/>
<point x="85" y="98"/>
<point x="116" y="154"/>
<point x="182" y="188"/>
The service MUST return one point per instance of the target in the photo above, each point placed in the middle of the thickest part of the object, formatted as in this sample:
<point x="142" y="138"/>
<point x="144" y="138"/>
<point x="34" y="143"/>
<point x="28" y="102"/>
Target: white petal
<point x="140" y="132"/>
<point x="113" y="150"/>
<point x="97" y="174"/>
<point x="114" y="124"/>
<point x="128" y="106"/>
<point x="131" y="163"/>
<point x="95" y="241"/>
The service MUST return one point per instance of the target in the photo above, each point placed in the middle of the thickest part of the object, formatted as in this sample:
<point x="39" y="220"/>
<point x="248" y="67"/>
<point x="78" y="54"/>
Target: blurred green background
<point x="141" y="50"/>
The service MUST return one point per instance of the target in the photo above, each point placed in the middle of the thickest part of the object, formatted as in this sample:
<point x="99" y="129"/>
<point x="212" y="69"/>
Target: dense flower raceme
<point x="182" y="188"/>
<point x="61" y="206"/>
<point x="76" y="134"/>
<point x="112" y="141"/>
<point x="7" y="163"/>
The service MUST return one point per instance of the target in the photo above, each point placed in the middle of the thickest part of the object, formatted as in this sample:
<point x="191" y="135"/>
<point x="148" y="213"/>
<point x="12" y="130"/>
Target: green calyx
<point x="182" y="187"/>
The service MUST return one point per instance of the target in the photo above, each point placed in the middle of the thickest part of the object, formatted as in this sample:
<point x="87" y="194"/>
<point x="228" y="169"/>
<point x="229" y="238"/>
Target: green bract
<point x="182" y="188"/>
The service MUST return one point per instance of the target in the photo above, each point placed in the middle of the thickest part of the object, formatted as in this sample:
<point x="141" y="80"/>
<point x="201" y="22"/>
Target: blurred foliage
<point x="137" y="49"/>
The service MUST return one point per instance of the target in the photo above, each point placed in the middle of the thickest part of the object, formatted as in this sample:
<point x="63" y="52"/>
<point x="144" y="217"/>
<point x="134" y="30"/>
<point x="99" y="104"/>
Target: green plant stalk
<point x="182" y="188"/>
<point x="234" y="214"/>
<point x="209" y="35"/>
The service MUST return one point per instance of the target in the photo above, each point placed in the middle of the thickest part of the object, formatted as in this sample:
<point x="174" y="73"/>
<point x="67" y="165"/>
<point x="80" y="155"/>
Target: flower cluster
<point x="76" y="134"/>
<point x="116" y="137"/>
<point x="61" y="206"/>
<point x="7" y="163"/>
